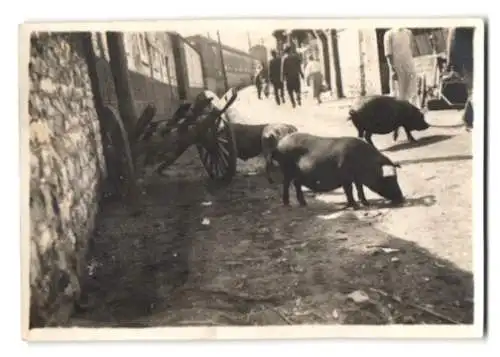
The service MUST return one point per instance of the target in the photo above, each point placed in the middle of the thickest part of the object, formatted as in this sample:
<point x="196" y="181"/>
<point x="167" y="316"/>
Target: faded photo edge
<point x="262" y="332"/>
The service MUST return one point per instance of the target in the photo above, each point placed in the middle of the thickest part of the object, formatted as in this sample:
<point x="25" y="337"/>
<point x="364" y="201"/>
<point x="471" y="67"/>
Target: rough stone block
<point x="65" y="152"/>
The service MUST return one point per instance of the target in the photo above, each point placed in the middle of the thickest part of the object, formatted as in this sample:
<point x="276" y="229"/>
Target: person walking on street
<point x="314" y="77"/>
<point x="275" y="77"/>
<point x="265" y="79"/>
<point x="399" y="55"/>
<point x="291" y="73"/>
<point x="259" y="79"/>
<point x="460" y="58"/>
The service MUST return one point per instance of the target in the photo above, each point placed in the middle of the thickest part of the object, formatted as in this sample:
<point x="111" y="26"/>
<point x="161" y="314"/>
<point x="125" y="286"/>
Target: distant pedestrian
<point x="399" y="54"/>
<point x="460" y="59"/>
<point x="265" y="78"/>
<point x="291" y="73"/>
<point x="314" y="77"/>
<point x="259" y="80"/>
<point x="275" y="77"/>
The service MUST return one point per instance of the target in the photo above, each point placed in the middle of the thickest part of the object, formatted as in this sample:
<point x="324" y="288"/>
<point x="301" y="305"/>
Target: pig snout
<point x="422" y="124"/>
<point x="391" y="190"/>
<point x="417" y="121"/>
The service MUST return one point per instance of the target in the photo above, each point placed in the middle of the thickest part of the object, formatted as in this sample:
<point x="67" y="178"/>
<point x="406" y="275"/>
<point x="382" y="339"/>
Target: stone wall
<point x="66" y="167"/>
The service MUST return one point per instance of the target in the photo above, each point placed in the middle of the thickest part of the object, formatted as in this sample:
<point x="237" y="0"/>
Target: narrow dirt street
<point x="236" y="256"/>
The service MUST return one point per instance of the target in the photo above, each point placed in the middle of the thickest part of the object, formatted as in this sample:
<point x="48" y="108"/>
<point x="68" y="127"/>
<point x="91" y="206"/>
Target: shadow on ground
<point x="435" y="159"/>
<point x="423" y="201"/>
<point x="256" y="262"/>
<point x="426" y="140"/>
<point x="452" y="126"/>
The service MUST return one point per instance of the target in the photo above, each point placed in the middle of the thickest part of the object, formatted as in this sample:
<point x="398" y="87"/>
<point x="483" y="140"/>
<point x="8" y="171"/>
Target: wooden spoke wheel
<point x="217" y="151"/>
<point x="120" y="162"/>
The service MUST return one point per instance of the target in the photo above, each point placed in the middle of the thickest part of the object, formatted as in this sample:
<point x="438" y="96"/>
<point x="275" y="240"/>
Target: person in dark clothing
<point x="275" y="77"/>
<point x="291" y="71"/>
<point x="259" y="79"/>
<point x="265" y="79"/>
<point x="460" y="58"/>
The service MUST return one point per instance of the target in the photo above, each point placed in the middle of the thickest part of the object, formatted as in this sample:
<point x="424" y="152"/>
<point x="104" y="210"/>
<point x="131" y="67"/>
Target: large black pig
<point x="324" y="164"/>
<point x="384" y="114"/>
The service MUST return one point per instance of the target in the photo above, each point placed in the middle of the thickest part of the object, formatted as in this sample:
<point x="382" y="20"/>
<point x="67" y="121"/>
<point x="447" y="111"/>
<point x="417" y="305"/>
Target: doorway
<point x="384" y="67"/>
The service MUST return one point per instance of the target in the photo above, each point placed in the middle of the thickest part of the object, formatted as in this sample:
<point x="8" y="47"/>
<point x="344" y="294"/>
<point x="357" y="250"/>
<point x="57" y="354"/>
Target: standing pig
<point x="383" y="114"/>
<point x="271" y="135"/>
<point x="261" y="139"/>
<point x="324" y="164"/>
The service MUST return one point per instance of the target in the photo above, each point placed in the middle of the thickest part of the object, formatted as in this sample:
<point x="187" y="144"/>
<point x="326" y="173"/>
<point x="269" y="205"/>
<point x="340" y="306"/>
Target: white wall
<point x="349" y="62"/>
<point x="373" y="84"/>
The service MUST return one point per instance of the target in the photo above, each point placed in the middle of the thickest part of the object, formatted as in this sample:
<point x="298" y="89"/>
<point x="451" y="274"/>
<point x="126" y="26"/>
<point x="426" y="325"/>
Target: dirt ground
<point x="236" y="256"/>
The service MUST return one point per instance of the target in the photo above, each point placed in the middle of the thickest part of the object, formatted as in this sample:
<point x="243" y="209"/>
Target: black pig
<point x="261" y="139"/>
<point x="383" y="114"/>
<point x="324" y="164"/>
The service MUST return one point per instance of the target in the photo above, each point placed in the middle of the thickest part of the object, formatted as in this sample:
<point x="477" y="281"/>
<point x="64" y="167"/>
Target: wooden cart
<point x="147" y="145"/>
<point x="446" y="90"/>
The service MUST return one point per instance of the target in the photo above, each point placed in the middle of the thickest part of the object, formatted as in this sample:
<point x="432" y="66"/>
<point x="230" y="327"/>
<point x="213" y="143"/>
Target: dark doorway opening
<point x="384" y="67"/>
<point x="336" y="65"/>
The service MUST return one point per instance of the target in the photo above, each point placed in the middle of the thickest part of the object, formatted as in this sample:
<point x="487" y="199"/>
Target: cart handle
<point x="234" y="95"/>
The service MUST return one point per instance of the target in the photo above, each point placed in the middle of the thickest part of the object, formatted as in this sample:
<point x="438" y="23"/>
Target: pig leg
<point x="368" y="138"/>
<point x="268" y="174"/>
<point x="268" y="168"/>
<point x="299" y="192"/>
<point x="360" y="133"/>
<point x="409" y="136"/>
<point x="361" y="193"/>
<point x="395" y="134"/>
<point x="350" y="197"/>
<point x="286" y="190"/>
<point x="267" y="144"/>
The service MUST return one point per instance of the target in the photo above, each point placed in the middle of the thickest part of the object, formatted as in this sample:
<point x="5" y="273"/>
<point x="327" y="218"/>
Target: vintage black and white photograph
<point x="252" y="173"/>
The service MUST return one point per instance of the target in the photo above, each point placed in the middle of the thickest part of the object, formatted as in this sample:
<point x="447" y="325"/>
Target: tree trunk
<point x="119" y="69"/>
<point x="125" y="122"/>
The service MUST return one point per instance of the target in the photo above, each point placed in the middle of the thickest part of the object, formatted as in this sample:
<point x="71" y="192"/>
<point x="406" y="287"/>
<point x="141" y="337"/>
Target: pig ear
<point x="388" y="170"/>
<point x="352" y="114"/>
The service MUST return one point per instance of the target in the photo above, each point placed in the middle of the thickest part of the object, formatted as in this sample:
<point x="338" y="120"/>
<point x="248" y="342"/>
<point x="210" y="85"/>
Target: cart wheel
<point x="218" y="152"/>
<point x="116" y="143"/>
<point x="423" y="92"/>
<point x="120" y="146"/>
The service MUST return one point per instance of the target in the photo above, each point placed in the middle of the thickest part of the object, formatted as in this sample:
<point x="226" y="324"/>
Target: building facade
<point x="259" y="52"/>
<point x="162" y="67"/>
<point x="235" y="66"/>
<point x="352" y="60"/>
